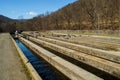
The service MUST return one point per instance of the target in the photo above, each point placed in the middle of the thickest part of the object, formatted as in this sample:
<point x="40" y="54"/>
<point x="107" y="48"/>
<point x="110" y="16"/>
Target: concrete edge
<point x="32" y="71"/>
<point x="109" y="55"/>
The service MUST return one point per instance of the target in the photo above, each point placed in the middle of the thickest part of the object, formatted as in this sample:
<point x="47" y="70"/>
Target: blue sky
<point x="26" y="9"/>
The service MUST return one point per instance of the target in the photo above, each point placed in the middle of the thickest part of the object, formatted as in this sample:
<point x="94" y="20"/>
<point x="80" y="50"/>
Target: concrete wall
<point x="117" y="32"/>
<point x="110" y="55"/>
<point x="32" y="71"/>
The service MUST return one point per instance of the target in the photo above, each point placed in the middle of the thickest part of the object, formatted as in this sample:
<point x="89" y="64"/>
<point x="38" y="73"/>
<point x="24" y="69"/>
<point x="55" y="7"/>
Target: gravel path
<point x="10" y="65"/>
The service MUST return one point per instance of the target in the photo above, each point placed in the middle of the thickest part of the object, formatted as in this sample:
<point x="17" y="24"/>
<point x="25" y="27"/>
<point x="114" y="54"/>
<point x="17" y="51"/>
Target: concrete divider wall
<point x="106" y="45"/>
<point x="102" y="64"/>
<point x="32" y="71"/>
<point x="117" y="32"/>
<point x="110" y="55"/>
<point x="68" y="69"/>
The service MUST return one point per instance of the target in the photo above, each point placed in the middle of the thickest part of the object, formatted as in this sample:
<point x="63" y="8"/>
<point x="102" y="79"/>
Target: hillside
<point x="7" y="24"/>
<point x="4" y="19"/>
<point x="80" y="15"/>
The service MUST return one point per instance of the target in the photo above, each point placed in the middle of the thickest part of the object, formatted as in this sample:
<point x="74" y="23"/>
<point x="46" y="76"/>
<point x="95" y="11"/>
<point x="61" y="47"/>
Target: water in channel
<point x="42" y="67"/>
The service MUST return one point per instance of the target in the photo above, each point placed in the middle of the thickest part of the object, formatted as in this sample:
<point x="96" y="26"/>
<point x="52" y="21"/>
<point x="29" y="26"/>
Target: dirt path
<point x="10" y="65"/>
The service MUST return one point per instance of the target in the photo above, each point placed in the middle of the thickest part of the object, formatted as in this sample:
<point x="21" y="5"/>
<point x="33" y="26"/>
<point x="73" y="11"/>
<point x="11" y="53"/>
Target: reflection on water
<point x="46" y="72"/>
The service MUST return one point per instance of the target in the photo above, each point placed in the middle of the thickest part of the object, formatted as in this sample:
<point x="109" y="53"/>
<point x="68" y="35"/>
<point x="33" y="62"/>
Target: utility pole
<point x="98" y="23"/>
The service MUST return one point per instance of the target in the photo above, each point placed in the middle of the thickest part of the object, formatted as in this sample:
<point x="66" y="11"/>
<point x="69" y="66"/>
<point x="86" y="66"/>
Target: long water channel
<point x="41" y="66"/>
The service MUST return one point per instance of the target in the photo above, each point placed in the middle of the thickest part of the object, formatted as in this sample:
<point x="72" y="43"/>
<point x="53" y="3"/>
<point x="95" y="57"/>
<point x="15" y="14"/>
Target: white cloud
<point x="32" y="13"/>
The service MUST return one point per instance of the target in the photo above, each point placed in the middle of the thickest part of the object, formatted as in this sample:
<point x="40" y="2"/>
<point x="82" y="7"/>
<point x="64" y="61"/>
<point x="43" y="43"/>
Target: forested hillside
<point x="80" y="15"/>
<point x="83" y="14"/>
<point x="7" y="24"/>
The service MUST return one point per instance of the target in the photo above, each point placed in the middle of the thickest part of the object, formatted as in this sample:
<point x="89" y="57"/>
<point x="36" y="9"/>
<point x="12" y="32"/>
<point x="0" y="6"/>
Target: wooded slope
<point x="80" y="15"/>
